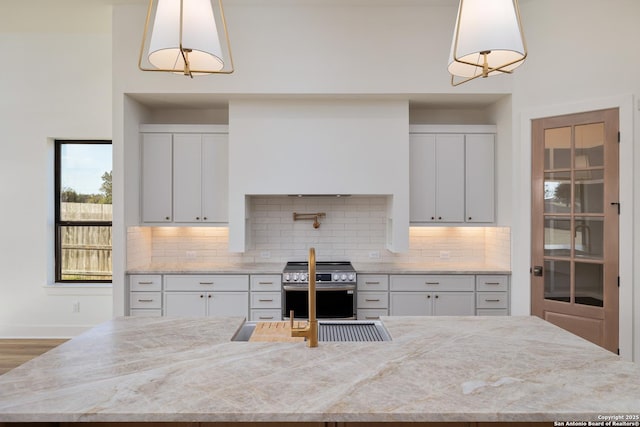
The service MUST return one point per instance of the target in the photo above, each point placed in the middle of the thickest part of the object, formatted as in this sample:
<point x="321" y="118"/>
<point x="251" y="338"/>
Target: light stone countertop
<point x="434" y="369"/>
<point x="361" y="268"/>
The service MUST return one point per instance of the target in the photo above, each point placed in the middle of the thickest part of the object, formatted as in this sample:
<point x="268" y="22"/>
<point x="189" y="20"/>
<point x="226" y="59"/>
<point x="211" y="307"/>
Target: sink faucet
<point x="310" y="331"/>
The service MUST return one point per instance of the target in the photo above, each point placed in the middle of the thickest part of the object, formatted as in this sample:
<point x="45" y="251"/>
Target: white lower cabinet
<point x="266" y="297"/>
<point x="430" y="295"/>
<point x="372" y="296"/>
<point x="206" y="295"/>
<point x="200" y="304"/>
<point x="492" y="295"/>
<point x="145" y="295"/>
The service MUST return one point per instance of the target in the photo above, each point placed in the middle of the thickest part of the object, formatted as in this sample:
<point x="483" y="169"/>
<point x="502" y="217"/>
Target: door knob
<point x="537" y="270"/>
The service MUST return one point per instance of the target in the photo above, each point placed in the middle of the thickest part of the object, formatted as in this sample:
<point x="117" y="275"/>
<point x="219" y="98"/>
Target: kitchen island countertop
<point x="434" y="369"/>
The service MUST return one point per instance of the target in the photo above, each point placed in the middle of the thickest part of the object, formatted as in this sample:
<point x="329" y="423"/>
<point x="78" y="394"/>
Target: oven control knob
<point x="343" y="277"/>
<point x="352" y="277"/>
<point x="286" y="277"/>
<point x="336" y="277"/>
<point x="303" y="277"/>
<point x="295" y="277"/>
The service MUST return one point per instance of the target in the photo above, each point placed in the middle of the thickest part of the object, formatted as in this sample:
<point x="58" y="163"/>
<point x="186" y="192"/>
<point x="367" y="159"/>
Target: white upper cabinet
<point x="200" y="177"/>
<point x="156" y="177"/>
<point x="184" y="175"/>
<point x="480" y="180"/>
<point x="436" y="178"/>
<point x="452" y="177"/>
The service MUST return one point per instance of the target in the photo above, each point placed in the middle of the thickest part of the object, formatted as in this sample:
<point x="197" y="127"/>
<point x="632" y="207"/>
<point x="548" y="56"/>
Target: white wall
<point x="55" y="82"/>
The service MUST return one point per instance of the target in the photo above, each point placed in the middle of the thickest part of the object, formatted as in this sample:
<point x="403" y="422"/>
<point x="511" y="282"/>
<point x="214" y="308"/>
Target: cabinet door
<point x="479" y="194"/>
<point x="450" y="178"/>
<point x="185" y="304"/>
<point x="156" y="177"/>
<point x="410" y="304"/>
<point x="454" y="304"/>
<point x="228" y="304"/>
<point x="422" y="178"/>
<point x="187" y="177"/>
<point x="215" y="178"/>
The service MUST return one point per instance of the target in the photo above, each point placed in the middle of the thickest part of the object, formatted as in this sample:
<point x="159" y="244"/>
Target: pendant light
<point x="488" y="40"/>
<point x="186" y="37"/>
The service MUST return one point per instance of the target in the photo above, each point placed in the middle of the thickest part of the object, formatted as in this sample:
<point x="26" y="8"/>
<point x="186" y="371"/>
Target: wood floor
<point x="14" y="352"/>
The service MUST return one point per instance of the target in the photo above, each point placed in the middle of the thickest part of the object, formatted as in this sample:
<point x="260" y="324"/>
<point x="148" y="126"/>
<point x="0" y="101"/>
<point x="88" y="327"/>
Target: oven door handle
<point x="320" y="288"/>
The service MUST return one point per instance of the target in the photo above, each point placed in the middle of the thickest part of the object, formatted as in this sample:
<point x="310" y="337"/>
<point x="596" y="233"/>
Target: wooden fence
<point x="86" y="251"/>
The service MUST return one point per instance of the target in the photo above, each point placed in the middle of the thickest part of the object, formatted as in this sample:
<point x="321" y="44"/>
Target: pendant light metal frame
<point x="484" y="67"/>
<point x="185" y="51"/>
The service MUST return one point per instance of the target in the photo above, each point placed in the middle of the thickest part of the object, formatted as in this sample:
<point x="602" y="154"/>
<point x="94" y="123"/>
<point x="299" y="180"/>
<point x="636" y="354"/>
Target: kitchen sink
<point x="333" y="331"/>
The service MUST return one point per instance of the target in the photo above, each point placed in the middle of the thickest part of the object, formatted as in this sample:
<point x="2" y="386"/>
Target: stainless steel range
<point x="335" y="290"/>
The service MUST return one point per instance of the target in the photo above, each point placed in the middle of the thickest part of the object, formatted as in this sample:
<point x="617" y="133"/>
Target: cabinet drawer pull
<point x="145" y="283"/>
<point x="491" y="283"/>
<point x="265" y="317"/>
<point x="206" y="283"/>
<point x="372" y="317"/>
<point x="431" y="283"/>
<point x="372" y="299"/>
<point x="145" y="300"/>
<point x="265" y="283"/>
<point x="265" y="300"/>
<point x="371" y="283"/>
<point x="492" y="300"/>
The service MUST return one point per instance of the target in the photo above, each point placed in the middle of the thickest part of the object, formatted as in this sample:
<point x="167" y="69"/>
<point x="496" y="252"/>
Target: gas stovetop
<point x="326" y="272"/>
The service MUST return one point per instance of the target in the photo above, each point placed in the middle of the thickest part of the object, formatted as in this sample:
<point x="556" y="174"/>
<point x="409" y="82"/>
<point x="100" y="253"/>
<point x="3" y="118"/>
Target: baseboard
<point x="42" y="331"/>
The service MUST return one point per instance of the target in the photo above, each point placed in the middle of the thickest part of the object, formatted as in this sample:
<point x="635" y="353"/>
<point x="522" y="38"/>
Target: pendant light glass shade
<point x="488" y="40"/>
<point x="186" y="37"/>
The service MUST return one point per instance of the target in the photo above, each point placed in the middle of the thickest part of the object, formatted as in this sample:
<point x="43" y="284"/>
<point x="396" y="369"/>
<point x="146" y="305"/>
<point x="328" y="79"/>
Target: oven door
<point x="331" y="302"/>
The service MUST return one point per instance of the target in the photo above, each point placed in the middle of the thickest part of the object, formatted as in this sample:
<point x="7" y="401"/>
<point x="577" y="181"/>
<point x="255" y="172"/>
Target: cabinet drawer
<point x="145" y="300"/>
<point x="373" y="282"/>
<point x="145" y="282"/>
<point x="266" y="315"/>
<point x="492" y="283"/>
<point x="142" y="312"/>
<point x="207" y="283"/>
<point x="372" y="313"/>
<point x="491" y="300"/>
<point x="373" y="300"/>
<point x="492" y="312"/>
<point x="408" y="282"/>
<point x="265" y="300"/>
<point x="266" y="282"/>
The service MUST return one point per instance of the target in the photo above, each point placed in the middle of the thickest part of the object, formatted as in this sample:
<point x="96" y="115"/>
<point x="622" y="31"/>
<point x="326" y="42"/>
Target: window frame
<point x="59" y="224"/>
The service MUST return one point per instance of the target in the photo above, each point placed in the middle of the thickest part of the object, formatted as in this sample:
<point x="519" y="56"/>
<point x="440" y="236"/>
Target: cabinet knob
<point x="428" y="296"/>
<point x="198" y="218"/>
<point x="209" y="296"/>
<point x="167" y="218"/>
<point x="432" y="218"/>
<point x="470" y="218"/>
<point x="439" y="218"/>
<point x="201" y="296"/>
<point x="204" y="218"/>
<point x="437" y="296"/>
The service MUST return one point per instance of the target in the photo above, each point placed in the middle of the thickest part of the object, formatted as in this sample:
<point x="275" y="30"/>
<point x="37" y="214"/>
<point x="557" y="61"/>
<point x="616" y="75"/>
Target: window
<point x="83" y="211"/>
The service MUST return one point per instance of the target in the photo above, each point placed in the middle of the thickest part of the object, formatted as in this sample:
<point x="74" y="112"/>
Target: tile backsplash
<point x="353" y="229"/>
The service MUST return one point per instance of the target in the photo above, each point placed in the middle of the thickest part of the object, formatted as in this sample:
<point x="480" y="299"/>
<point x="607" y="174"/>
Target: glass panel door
<point x="575" y="223"/>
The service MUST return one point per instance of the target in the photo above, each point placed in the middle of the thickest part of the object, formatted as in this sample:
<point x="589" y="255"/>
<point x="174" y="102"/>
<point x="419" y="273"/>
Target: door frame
<point x="521" y="225"/>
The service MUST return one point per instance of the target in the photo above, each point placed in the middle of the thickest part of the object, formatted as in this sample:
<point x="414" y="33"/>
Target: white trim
<point x="453" y="128"/>
<point x="79" y="289"/>
<point x="149" y="128"/>
<point x="521" y="253"/>
<point x="42" y="331"/>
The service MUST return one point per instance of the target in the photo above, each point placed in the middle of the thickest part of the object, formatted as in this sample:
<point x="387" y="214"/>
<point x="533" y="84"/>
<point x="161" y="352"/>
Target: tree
<point x="106" y="188"/>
